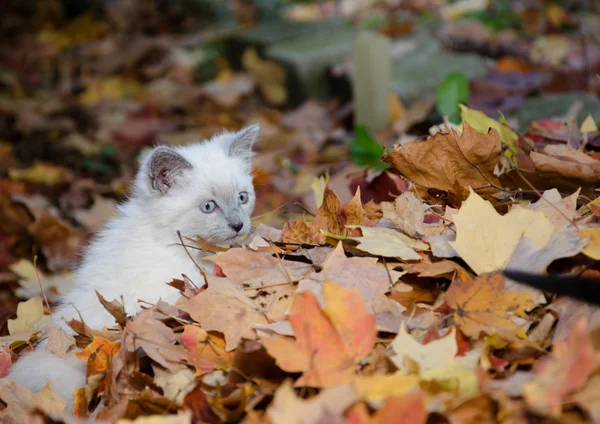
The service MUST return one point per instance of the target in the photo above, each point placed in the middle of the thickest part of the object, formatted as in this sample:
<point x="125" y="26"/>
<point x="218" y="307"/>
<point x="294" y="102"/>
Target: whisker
<point x="274" y="210"/>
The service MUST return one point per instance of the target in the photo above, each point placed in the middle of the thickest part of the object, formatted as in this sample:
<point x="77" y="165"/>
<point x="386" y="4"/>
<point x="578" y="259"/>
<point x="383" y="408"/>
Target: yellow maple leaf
<point x="434" y="354"/>
<point x="29" y="313"/>
<point x="592" y="249"/>
<point x="486" y="240"/>
<point x="588" y="125"/>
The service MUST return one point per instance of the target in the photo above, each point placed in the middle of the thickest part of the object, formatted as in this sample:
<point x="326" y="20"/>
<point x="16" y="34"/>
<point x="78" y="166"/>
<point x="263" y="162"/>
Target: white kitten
<point x="205" y="190"/>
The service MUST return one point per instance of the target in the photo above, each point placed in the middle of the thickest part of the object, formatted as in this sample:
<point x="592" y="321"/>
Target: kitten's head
<point x="201" y="190"/>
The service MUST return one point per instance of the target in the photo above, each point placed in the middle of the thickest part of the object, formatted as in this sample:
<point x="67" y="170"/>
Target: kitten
<point x="203" y="189"/>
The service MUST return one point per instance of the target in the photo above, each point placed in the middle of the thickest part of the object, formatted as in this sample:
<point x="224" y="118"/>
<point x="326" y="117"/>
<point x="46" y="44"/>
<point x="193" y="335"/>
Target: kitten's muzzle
<point x="237" y="226"/>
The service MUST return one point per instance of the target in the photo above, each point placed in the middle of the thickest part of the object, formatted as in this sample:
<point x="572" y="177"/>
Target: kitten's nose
<point x="237" y="226"/>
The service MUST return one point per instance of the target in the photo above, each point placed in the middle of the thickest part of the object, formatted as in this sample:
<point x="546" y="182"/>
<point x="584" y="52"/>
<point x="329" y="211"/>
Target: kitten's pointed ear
<point x="242" y="143"/>
<point x="164" y="166"/>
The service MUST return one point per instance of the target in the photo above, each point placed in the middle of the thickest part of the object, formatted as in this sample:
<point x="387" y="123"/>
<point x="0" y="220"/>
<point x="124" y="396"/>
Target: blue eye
<point x="208" y="207"/>
<point x="243" y="197"/>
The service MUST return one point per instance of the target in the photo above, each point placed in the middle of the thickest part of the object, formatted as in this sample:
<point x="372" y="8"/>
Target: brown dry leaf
<point x="482" y="305"/>
<point x="115" y="308"/>
<point x="560" y="167"/>
<point x="447" y="159"/>
<point x="331" y="218"/>
<point x="420" y="293"/>
<point x="328" y="217"/>
<point x="21" y="402"/>
<point x="249" y="268"/>
<point x="175" y="386"/>
<point x="362" y="273"/>
<point x="566" y="371"/>
<point x="440" y="269"/>
<point x="560" y="211"/>
<point x="300" y="232"/>
<point x="407" y="213"/>
<point x="155" y="338"/>
<point x="59" y="342"/>
<point x="381" y="241"/>
<point x="353" y="213"/>
<point x="61" y="243"/>
<point x="223" y="307"/>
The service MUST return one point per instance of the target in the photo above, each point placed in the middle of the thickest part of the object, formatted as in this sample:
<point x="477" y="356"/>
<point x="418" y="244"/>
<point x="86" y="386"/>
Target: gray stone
<point x="419" y="72"/>
<point x="557" y="105"/>
<point x="308" y="57"/>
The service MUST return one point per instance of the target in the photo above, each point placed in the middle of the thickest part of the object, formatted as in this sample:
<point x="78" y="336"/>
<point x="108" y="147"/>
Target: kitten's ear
<point x="243" y="140"/>
<point x="164" y="166"/>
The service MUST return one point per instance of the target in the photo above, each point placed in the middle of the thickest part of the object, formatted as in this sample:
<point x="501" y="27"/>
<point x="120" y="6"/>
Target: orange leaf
<point x="98" y="354"/>
<point x="329" y="343"/>
<point x="483" y="305"/>
<point x="409" y="409"/>
<point x="80" y="404"/>
<point x="206" y="352"/>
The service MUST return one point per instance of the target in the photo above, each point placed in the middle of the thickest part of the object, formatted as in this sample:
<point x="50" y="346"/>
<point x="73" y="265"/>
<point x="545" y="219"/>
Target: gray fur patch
<point x="244" y="139"/>
<point x="165" y="165"/>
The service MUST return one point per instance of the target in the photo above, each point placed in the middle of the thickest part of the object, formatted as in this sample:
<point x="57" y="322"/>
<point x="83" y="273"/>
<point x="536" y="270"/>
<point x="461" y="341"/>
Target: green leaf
<point x="450" y="93"/>
<point x="364" y="149"/>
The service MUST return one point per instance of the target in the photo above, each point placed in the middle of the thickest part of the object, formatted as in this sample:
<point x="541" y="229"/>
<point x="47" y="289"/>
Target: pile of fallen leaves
<point x="379" y="300"/>
<point x="368" y="312"/>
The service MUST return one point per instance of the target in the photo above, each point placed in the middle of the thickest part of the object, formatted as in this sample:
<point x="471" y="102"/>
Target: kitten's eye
<point x="208" y="207"/>
<point x="243" y="197"/>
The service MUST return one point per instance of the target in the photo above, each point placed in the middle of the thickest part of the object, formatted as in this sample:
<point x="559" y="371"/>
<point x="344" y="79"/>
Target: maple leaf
<point x="249" y="268"/>
<point x="446" y="159"/>
<point x="486" y="240"/>
<point x="443" y="269"/>
<point x="560" y="167"/>
<point x="481" y="305"/>
<point x="155" y="338"/>
<point x="329" y="343"/>
<point x="407" y="213"/>
<point x="331" y="218"/>
<point x="436" y="353"/>
<point x="20" y="402"/>
<point x="223" y="307"/>
<point x="362" y="273"/>
<point x="59" y="342"/>
<point x="288" y="408"/>
<point x="377" y="388"/>
<point x="205" y="351"/>
<point x="98" y="354"/>
<point x="408" y="409"/>
<point x="560" y="211"/>
<point x="390" y="243"/>
<point x="568" y="369"/>
<point x="29" y="313"/>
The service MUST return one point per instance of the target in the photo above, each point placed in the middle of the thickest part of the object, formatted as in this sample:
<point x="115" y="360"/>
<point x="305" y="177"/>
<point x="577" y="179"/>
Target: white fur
<point x="138" y="252"/>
